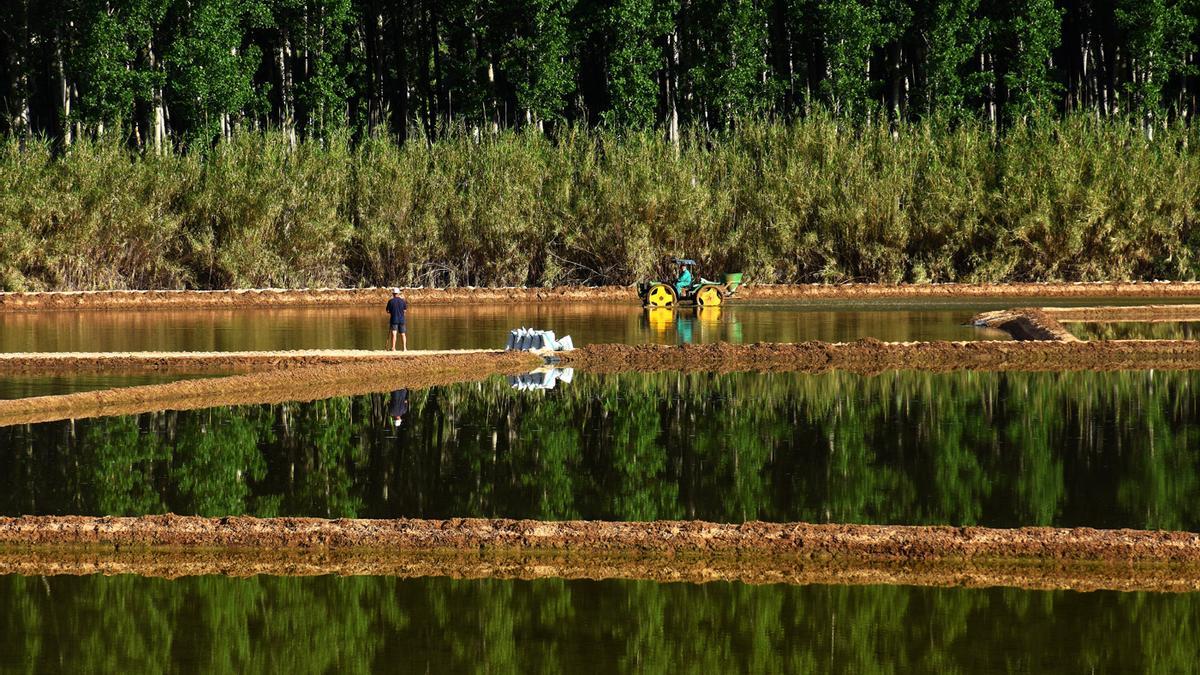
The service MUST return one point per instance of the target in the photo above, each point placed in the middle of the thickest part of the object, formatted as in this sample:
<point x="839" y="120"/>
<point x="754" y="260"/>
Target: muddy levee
<point x="1139" y="313"/>
<point x="873" y="356"/>
<point x="274" y="386"/>
<point x="42" y="363"/>
<point x="332" y="297"/>
<point x="663" y="568"/>
<point x="810" y="541"/>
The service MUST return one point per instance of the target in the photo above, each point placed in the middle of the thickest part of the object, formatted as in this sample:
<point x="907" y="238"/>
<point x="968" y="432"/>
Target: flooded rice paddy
<point x="375" y="624"/>
<point x="1112" y="449"/>
<point x="1135" y="330"/>
<point x="437" y="327"/>
<point x="1115" y="449"/>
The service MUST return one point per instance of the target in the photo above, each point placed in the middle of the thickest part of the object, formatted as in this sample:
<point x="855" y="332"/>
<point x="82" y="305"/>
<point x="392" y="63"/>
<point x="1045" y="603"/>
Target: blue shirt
<point x="396" y="308"/>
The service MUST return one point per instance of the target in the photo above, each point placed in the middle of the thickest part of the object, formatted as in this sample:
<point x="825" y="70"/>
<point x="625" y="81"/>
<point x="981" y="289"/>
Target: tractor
<point x="693" y="292"/>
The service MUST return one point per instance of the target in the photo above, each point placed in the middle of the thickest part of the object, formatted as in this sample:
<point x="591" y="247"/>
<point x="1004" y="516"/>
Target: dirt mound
<point x="305" y="297"/>
<point x="874" y="356"/>
<point x="278" y="385"/>
<point x="209" y="362"/>
<point x="318" y="297"/>
<point x="867" y="542"/>
<point x="485" y="564"/>
<point x="1147" y="313"/>
<point x="1026" y="324"/>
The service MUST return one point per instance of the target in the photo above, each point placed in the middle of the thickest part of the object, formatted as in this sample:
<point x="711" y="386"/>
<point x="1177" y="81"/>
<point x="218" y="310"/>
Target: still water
<point x="1135" y="330"/>
<point x="474" y="327"/>
<point x="382" y="624"/>
<point x="23" y="386"/>
<point x="1001" y="449"/>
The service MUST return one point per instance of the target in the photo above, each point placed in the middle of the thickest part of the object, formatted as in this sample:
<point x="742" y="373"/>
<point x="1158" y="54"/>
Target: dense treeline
<point x="807" y="201"/>
<point x="179" y="71"/>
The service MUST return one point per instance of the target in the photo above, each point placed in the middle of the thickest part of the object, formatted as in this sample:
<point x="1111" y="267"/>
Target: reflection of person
<point x="395" y="309"/>
<point x="683" y="326"/>
<point x="398" y="406"/>
<point x="684" y="282"/>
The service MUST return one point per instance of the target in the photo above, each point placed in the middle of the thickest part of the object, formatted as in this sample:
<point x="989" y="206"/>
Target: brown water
<point x="476" y="327"/>
<point x="25" y="386"/>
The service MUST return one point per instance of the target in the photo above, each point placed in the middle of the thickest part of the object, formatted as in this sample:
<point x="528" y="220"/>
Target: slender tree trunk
<point x="287" y="113"/>
<point x="19" y="71"/>
<point x="64" y="89"/>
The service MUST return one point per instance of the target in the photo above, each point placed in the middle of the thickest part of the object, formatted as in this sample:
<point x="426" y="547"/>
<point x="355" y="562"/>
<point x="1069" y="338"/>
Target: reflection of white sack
<point x="541" y="379"/>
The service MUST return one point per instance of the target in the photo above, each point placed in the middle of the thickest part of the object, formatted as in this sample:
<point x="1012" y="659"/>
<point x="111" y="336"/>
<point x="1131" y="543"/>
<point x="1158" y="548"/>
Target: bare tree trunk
<point x="672" y="82"/>
<point x="19" y="70"/>
<point x="287" y="101"/>
<point x="64" y="89"/>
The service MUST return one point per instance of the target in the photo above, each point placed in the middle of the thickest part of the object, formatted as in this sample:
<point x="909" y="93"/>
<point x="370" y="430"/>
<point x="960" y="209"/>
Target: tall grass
<point x="1074" y="199"/>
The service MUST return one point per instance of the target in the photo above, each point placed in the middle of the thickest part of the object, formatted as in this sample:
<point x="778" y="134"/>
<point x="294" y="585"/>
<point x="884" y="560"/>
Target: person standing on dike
<point x="395" y="309"/>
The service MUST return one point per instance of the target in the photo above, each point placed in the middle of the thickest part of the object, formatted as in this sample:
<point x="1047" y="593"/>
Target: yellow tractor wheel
<point x="660" y="295"/>
<point x="709" y="296"/>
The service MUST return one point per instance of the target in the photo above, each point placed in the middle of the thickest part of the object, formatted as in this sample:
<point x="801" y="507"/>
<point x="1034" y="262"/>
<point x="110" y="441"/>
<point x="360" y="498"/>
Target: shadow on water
<point x="999" y="449"/>
<point x="374" y="624"/>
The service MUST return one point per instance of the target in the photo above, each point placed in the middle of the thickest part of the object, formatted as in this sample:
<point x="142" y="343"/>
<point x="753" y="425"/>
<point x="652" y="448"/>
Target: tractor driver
<point x="685" y="280"/>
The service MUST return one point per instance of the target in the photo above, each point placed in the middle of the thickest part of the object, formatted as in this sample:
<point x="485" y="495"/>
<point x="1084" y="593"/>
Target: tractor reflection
<point x="703" y="324"/>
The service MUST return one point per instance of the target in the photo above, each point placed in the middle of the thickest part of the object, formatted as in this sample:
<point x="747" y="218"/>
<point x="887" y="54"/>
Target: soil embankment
<point x="334" y="297"/>
<point x="1026" y="324"/>
<point x="863" y="542"/>
<point x="1140" y="313"/>
<point x="212" y="362"/>
<point x="593" y="565"/>
<point x="873" y="356"/>
<point x="277" y="385"/>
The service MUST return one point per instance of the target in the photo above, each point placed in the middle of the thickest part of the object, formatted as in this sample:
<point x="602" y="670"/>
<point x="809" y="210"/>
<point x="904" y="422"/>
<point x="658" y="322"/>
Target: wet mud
<point x="1146" y="313"/>
<point x="896" y="543"/>
<point x="873" y="356"/>
<point x="44" y="363"/>
<point x="274" y="386"/>
<point x="332" y="297"/>
<point x="1026" y="324"/>
<point x="781" y="569"/>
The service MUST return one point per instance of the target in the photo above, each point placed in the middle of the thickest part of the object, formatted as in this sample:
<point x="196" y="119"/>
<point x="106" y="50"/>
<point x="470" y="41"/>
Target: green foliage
<point x="1078" y="199"/>
<point x="1027" y="32"/>
<point x="634" y="28"/>
<point x="209" y="69"/>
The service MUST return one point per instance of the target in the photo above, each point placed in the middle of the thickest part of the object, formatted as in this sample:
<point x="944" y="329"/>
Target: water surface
<point x="1001" y="449"/>
<point x="24" y="386"/>
<point x="1134" y="330"/>
<point x="382" y="624"/>
<point x="466" y="327"/>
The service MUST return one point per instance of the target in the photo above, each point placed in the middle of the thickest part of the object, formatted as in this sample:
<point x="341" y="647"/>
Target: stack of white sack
<point x="531" y="339"/>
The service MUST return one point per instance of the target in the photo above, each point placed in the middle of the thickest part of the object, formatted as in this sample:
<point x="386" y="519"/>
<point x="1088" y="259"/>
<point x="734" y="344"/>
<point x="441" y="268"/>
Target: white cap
<point x="395" y="291"/>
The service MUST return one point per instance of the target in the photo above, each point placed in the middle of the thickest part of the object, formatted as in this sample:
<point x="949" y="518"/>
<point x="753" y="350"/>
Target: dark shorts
<point x="398" y="328"/>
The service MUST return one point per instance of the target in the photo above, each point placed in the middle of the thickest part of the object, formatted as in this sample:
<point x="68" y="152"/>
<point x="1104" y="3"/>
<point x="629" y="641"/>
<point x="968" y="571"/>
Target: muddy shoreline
<point x="897" y="543"/>
<point x="1029" y="323"/>
<point x="335" y="297"/>
<point x="791" y="570"/>
<point x="873" y="356"/>
<point x="43" y="363"/>
<point x="274" y="386"/>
